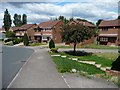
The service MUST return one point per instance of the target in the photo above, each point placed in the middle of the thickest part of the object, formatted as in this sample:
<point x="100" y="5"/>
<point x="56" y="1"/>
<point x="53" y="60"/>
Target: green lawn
<point x="110" y="55"/>
<point x="105" y="59"/>
<point x="95" y="46"/>
<point x="66" y="65"/>
<point x="99" y="60"/>
<point x="36" y="44"/>
<point x="91" y="46"/>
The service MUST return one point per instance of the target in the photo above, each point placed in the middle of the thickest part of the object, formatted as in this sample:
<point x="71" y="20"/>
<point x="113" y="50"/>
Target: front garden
<point x="84" y="63"/>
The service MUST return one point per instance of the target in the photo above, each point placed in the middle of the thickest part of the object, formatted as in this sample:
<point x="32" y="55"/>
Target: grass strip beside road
<point x="66" y="65"/>
<point x="90" y="46"/>
<point x="99" y="60"/>
<point x="105" y="59"/>
<point x="36" y="44"/>
<point x="95" y="46"/>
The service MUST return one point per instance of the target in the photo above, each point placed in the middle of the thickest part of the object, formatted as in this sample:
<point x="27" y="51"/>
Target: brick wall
<point x="56" y="36"/>
<point x="31" y="32"/>
<point x="111" y="30"/>
<point x="112" y="73"/>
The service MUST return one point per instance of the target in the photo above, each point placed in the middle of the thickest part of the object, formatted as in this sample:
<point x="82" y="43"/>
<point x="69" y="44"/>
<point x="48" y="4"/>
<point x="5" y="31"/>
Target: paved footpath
<point x="40" y="72"/>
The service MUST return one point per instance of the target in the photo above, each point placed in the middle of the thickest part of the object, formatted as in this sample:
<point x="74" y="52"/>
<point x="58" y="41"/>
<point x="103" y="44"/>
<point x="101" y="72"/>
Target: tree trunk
<point x="74" y="47"/>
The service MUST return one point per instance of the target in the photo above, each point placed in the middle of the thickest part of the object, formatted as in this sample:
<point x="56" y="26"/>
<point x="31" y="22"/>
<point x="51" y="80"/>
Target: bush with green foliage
<point x="116" y="64"/>
<point x="51" y="44"/>
<point x="54" y="50"/>
<point x="20" y="39"/>
<point x="15" y="41"/>
<point x="10" y="34"/>
<point x="25" y="40"/>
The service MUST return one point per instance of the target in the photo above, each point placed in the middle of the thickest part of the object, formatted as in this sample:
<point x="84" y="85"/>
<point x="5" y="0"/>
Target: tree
<point x="62" y="18"/>
<point x="51" y="44"/>
<point x="7" y="20"/>
<point x="75" y="34"/>
<point x="17" y="20"/>
<point x="10" y="34"/>
<point x="119" y="17"/>
<point x="116" y="64"/>
<point x="24" y="19"/>
<point x="25" y="40"/>
<point x="98" y="22"/>
<point x="71" y="19"/>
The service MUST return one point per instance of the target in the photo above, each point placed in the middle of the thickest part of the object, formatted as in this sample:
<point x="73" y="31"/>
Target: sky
<point x="43" y="10"/>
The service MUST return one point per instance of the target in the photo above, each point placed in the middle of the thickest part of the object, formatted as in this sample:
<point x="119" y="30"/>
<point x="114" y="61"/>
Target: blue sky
<point x="44" y="10"/>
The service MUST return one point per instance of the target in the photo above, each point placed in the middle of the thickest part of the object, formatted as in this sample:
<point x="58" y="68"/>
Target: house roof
<point x="108" y="23"/>
<point x="26" y="26"/>
<point x="14" y="28"/>
<point x="48" y="24"/>
<point x="85" y="23"/>
<point x="23" y="27"/>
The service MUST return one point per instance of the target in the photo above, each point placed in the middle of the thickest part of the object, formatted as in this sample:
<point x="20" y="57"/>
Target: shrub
<point x="116" y="64"/>
<point x="51" y="44"/>
<point x="25" y="40"/>
<point x="20" y="39"/>
<point x="15" y="41"/>
<point x="54" y="50"/>
<point x="10" y="34"/>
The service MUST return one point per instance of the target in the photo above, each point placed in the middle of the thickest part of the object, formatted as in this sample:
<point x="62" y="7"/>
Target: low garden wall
<point x="113" y="73"/>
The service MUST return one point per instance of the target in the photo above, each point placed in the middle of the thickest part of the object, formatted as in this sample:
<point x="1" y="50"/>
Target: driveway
<point x="40" y="72"/>
<point x="90" y="50"/>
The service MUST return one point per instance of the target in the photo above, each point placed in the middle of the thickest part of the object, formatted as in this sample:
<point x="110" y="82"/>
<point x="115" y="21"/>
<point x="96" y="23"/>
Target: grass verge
<point x="91" y="46"/>
<point x="65" y="65"/>
<point x="99" y="60"/>
<point x="105" y="59"/>
<point x="95" y="46"/>
<point x="36" y="44"/>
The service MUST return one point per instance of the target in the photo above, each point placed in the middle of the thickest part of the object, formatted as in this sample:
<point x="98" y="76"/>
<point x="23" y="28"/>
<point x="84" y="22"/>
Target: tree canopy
<point x="10" y="34"/>
<point x="24" y="19"/>
<point x="98" y="22"/>
<point x="25" y="39"/>
<point x="75" y="33"/>
<point x="119" y="17"/>
<point x="18" y="21"/>
<point x="7" y="20"/>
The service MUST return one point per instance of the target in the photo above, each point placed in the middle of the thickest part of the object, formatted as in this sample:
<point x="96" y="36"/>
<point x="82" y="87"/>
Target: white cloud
<point x="88" y="9"/>
<point x="36" y="18"/>
<point x="85" y="10"/>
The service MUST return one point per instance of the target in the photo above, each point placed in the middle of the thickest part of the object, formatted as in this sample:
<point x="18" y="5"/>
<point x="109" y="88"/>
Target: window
<point x="103" y="39"/>
<point x="104" y="29"/>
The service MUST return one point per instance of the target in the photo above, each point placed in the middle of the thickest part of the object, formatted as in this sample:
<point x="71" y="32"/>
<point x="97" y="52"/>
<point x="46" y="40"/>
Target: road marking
<point x="66" y="81"/>
<point x="19" y="71"/>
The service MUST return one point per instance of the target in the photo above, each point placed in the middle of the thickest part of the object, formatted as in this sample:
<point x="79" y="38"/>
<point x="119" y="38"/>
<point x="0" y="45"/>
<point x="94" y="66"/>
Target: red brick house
<point x="85" y="23"/>
<point x="27" y="28"/>
<point x="48" y="30"/>
<point x="108" y="32"/>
